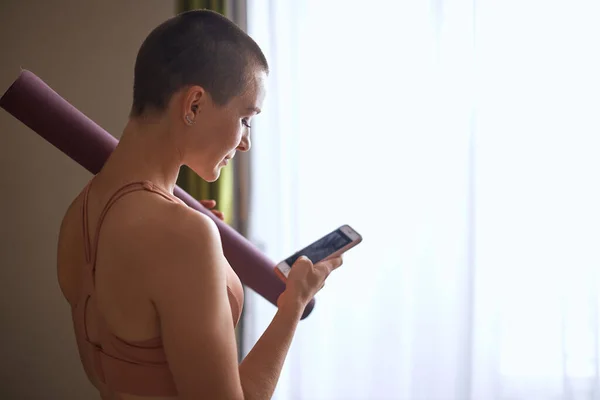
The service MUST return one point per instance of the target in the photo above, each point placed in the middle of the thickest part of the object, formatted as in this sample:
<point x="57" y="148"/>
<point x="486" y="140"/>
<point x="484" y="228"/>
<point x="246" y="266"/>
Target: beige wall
<point x="84" y="50"/>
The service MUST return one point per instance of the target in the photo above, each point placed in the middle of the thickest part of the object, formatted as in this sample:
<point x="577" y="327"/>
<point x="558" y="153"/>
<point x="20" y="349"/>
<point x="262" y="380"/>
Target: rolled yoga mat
<point x="39" y="107"/>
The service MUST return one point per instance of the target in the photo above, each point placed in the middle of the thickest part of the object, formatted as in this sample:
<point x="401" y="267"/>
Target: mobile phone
<point x="331" y="245"/>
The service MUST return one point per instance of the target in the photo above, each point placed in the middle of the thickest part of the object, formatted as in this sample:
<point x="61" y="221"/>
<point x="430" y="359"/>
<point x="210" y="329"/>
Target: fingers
<point x="336" y="262"/>
<point x="303" y="260"/>
<point x="324" y="268"/>
<point x="208" y="203"/>
<point x="219" y="214"/>
<point x="331" y="264"/>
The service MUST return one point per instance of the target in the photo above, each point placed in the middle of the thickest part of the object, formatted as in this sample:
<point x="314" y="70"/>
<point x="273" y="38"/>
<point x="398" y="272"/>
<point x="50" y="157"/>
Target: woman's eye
<point x="246" y="123"/>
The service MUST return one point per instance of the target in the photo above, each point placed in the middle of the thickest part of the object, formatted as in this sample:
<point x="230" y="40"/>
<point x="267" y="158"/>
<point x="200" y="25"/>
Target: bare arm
<point x="261" y="368"/>
<point x="186" y="281"/>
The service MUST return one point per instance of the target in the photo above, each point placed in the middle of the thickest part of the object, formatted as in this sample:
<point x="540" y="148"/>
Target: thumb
<point x="303" y="260"/>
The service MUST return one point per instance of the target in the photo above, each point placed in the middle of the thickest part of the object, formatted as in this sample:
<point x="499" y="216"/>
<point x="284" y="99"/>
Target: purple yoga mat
<point x="39" y="107"/>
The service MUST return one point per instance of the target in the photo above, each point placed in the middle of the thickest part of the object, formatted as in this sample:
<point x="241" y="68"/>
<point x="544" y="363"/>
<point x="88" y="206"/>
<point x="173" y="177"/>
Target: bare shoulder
<point x="169" y="239"/>
<point x="188" y="226"/>
<point x="172" y="227"/>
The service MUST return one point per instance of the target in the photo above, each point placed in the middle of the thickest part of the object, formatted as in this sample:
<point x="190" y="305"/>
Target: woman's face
<point x="219" y="131"/>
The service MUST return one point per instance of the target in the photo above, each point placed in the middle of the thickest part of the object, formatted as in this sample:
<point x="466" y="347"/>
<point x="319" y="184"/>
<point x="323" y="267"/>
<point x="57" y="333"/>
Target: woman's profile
<point x="153" y="299"/>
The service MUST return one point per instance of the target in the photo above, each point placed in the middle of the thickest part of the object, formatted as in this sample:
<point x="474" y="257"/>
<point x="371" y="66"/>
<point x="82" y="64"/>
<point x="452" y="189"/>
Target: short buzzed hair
<point x="198" y="47"/>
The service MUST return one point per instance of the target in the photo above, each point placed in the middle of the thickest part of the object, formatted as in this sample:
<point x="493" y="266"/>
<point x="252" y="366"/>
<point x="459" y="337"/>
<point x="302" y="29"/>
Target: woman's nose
<point x="245" y="144"/>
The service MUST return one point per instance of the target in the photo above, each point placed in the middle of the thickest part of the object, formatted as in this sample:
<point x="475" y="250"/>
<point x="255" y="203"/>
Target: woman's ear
<point x="194" y="99"/>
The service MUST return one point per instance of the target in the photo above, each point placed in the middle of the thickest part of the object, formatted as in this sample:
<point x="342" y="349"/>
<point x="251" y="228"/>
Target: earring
<point x="189" y="120"/>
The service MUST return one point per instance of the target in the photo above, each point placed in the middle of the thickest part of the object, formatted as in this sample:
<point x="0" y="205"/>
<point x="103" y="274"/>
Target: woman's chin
<point x="214" y="174"/>
<point x="209" y="175"/>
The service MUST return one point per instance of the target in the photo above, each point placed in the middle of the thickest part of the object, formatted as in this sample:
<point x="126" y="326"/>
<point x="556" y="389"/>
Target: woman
<point x="154" y="301"/>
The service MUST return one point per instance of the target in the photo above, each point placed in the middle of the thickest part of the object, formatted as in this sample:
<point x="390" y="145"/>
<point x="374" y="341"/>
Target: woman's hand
<point x="211" y="204"/>
<point x="305" y="280"/>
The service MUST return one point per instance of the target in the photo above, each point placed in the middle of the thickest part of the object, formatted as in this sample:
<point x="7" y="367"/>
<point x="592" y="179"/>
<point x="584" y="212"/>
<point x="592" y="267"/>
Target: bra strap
<point x="123" y="191"/>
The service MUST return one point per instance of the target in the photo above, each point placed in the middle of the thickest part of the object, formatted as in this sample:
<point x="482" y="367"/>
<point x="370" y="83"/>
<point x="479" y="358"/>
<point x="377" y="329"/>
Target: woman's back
<point x="102" y="269"/>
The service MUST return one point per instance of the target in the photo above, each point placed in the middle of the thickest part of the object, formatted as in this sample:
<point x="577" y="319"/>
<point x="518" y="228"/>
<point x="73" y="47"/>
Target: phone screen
<point x="322" y="248"/>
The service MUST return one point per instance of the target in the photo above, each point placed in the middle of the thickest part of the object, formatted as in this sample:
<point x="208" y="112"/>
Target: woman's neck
<point x="146" y="151"/>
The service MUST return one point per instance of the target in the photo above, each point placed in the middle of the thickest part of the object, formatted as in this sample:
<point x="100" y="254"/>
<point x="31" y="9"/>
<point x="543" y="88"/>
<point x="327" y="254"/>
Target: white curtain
<point x="462" y="139"/>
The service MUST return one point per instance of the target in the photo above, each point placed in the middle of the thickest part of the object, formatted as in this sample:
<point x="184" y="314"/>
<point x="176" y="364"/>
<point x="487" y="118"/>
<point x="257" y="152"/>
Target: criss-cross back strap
<point x="91" y="251"/>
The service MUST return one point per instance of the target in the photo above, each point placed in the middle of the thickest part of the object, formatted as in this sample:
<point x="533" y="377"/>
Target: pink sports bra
<point x="137" y="368"/>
